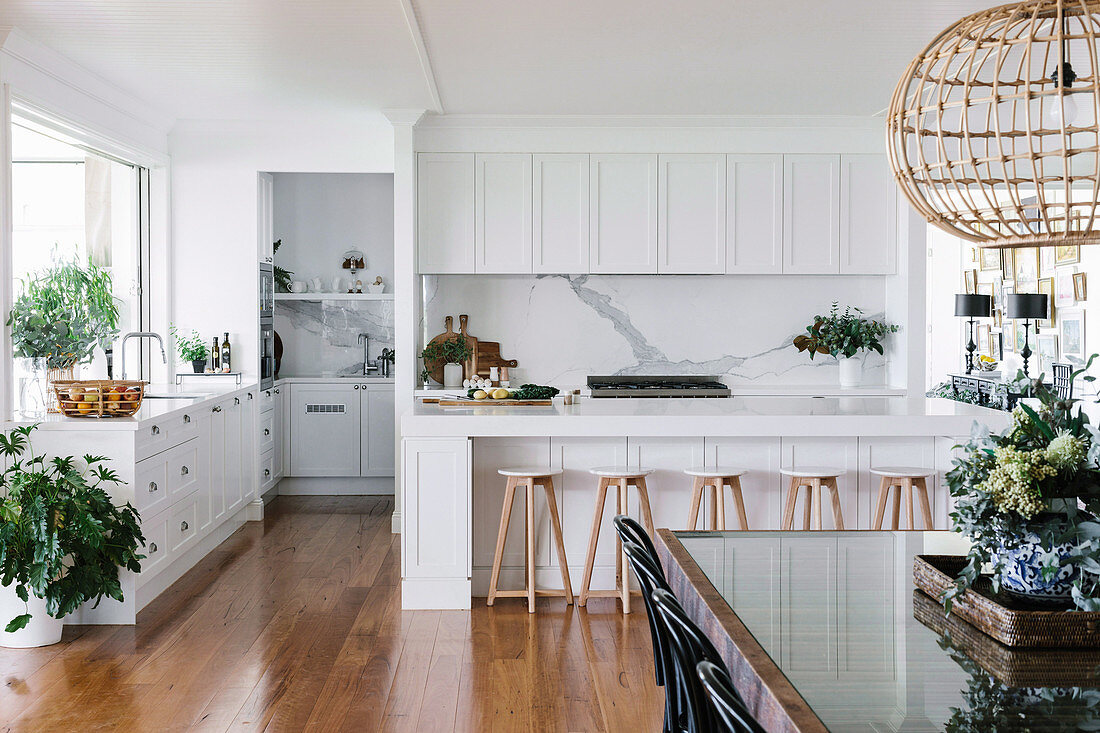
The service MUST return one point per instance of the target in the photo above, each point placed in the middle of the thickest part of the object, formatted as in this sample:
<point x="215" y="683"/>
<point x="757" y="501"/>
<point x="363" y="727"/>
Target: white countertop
<point x="738" y="390"/>
<point x="735" y="416"/>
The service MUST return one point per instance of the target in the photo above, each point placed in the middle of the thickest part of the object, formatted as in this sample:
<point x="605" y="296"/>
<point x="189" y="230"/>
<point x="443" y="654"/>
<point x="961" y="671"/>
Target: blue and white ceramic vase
<point x="1022" y="574"/>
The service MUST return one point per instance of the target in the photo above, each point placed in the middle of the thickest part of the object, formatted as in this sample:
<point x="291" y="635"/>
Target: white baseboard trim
<point x="420" y="594"/>
<point x="336" y="486"/>
<point x="254" y="510"/>
<point x="395" y="522"/>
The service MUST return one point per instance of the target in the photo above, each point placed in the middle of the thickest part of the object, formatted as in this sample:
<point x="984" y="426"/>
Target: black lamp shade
<point x="1027" y="306"/>
<point x="973" y="306"/>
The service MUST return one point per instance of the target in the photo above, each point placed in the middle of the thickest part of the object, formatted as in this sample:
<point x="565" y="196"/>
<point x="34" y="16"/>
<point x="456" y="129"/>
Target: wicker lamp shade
<point x="993" y="138"/>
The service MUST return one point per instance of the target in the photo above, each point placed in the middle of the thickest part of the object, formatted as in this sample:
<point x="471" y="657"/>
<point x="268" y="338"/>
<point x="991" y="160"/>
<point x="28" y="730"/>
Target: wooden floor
<point x="295" y="624"/>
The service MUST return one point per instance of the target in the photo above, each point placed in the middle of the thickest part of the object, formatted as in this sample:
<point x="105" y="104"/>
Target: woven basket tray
<point x="99" y="397"/>
<point x="1008" y="620"/>
<point x="1012" y="667"/>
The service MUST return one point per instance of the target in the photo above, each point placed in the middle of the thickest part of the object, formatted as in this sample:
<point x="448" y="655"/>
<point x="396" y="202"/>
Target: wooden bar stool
<point x="906" y="480"/>
<point x="814" y="478"/>
<point x="621" y="477"/>
<point x="530" y="478"/>
<point x="717" y="478"/>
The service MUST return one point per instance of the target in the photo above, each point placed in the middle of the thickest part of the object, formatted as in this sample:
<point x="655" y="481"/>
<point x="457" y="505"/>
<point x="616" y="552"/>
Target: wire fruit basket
<point x="99" y="397"/>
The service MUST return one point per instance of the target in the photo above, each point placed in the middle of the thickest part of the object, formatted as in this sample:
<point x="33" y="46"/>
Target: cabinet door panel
<point x="880" y="452"/>
<point x="325" y="430"/>
<point x="669" y="488"/>
<point x="754" y="214"/>
<point x="250" y="463"/>
<point x="837" y="453"/>
<point x="574" y="456"/>
<point x="811" y="207"/>
<point x="691" y="214"/>
<point x="867" y="576"/>
<point x="435" y="534"/>
<point x="502" y="220"/>
<point x="808" y="622"/>
<point x="560" y="213"/>
<point x="760" y="457"/>
<point x="868" y="216"/>
<point x="378" y="431"/>
<point x="751" y="585"/>
<point x="445" y="212"/>
<point x="623" y="223"/>
<point x="218" y="447"/>
<point x="234" y="497"/>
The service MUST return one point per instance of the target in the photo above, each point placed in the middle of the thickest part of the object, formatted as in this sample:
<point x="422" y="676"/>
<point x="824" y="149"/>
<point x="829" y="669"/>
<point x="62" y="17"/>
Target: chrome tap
<point x="137" y="334"/>
<point x="364" y="338"/>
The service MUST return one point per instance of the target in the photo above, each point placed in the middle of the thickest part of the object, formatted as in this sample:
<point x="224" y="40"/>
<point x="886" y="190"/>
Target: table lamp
<point x="1029" y="307"/>
<point x="971" y="307"/>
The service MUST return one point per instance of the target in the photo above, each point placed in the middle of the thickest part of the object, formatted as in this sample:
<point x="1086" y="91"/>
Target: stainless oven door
<point x="267" y="291"/>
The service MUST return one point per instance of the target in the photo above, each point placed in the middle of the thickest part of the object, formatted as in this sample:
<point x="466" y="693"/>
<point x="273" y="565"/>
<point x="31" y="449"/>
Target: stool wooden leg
<point x="922" y="486"/>
<point x="895" y="513"/>
<point x="907" y="487"/>
<point x="883" y="494"/>
<point x="838" y="515"/>
<point x="739" y="501"/>
<point x="696" y="498"/>
<point x="530" y="545"/>
<point x="712" y="504"/>
<point x="502" y="533"/>
<point x="788" y="508"/>
<point x="623" y="565"/>
<point x="593" y="538"/>
<point x="643" y="500"/>
<point x="720" y="491"/>
<point x="815" y="494"/>
<point x="809" y="505"/>
<point x="559" y="538"/>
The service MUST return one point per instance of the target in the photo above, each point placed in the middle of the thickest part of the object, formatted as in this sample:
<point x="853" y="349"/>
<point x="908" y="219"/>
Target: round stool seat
<point x="901" y="472"/>
<point x="715" y="471"/>
<point x="620" y="471"/>
<point x="530" y="471"/>
<point x="812" y="472"/>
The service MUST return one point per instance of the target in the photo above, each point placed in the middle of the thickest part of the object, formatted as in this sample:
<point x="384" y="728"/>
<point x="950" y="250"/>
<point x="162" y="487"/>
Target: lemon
<point x="480" y="394"/>
<point x="500" y="394"/>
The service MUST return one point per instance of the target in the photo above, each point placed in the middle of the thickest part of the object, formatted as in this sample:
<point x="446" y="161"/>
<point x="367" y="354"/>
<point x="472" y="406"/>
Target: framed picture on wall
<point x="1046" y="287"/>
<point x="1027" y="266"/>
<point x="1080" y="287"/>
<point x="983" y="333"/>
<point x="1048" y="351"/>
<point x="1008" y="264"/>
<point x="989" y="289"/>
<point x="1046" y="260"/>
<point x="1008" y="332"/>
<point x="990" y="259"/>
<point x="1021" y="336"/>
<point x="996" y="345"/>
<point x="970" y="281"/>
<point x="1067" y="254"/>
<point x="1072" y="335"/>
<point x="1063" y="287"/>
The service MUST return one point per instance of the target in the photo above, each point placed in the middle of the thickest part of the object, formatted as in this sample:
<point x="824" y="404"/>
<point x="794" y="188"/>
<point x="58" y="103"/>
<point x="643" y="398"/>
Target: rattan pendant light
<point x="992" y="130"/>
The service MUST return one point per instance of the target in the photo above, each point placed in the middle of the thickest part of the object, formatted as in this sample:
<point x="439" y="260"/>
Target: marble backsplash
<point x="564" y="328"/>
<point x="320" y="338"/>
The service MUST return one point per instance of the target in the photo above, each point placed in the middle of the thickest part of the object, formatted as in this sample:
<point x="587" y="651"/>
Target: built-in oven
<point x="267" y="291"/>
<point x="267" y="354"/>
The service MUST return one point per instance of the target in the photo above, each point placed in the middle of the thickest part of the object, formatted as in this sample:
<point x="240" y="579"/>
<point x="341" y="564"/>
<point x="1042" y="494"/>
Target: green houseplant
<point x="62" y="539"/>
<point x="281" y="274"/>
<point x="847" y="336"/>
<point x="191" y="348"/>
<point x="451" y="352"/>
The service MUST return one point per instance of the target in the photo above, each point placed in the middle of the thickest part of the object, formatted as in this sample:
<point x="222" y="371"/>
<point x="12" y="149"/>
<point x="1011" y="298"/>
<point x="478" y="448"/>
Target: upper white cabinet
<point x="691" y="214"/>
<point x="502" y="213"/>
<point x="560" y="213"/>
<point x="868" y="216"/>
<point x="811" y="214"/>
<point x="623" y="211"/>
<point x="754" y="214"/>
<point x="445" y="212"/>
<point x="265" y="221"/>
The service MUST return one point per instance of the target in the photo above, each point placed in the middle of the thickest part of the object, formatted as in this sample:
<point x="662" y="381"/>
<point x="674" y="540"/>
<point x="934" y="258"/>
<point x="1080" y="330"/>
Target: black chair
<point x="724" y="700"/>
<point x="1062" y="380"/>
<point x="629" y="530"/>
<point x="689" y="647"/>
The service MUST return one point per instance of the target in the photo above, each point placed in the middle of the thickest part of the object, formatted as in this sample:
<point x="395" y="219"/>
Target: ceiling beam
<point x="422" y="52"/>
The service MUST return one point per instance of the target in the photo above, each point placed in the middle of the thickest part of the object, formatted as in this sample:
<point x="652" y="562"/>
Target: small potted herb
<point x="62" y="539"/>
<point x="847" y="336"/>
<point x="451" y="353"/>
<point x="191" y="348"/>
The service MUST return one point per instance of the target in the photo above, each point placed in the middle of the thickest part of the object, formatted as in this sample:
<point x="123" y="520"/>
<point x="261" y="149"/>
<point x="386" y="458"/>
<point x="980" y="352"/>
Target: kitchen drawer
<point x="151" y="485"/>
<point x="183" y="468"/>
<point x="267" y="431"/>
<point x="156" y="544"/>
<point x="161" y="434"/>
<point x="267" y="400"/>
<point x="183" y="526"/>
<point x="268" y="475"/>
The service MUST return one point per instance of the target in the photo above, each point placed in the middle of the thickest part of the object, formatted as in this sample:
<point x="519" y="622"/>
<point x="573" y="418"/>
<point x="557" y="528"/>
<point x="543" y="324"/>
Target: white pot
<point x="452" y="375"/>
<point x="42" y="630"/>
<point x="851" y="370"/>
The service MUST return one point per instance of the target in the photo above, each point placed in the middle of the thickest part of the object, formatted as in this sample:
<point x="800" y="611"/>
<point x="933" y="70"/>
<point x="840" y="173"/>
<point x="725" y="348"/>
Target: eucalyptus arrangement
<point x="63" y="313"/>
<point x="62" y="539"/>
<point x="1028" y="499"/>
<point x="843" y="334"/>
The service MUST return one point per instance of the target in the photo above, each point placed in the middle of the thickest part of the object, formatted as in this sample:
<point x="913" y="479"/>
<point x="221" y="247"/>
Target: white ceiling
<point x="261" y="58"/>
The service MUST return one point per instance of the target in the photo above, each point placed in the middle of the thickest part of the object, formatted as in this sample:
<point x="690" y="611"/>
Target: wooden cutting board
<point x="469" y="369"/>
<point x="488" y="355"/>
<point x="504" y="403"/>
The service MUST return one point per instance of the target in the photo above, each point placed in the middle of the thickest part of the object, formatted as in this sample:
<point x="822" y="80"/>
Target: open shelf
<point x="333" y="296"/>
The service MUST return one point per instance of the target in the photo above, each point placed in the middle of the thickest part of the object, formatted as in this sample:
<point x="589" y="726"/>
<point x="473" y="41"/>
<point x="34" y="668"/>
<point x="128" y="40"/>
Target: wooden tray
<point x="505" y="403"/>
<point x="1012" y="667"/>
<point x="1010" y="621"/>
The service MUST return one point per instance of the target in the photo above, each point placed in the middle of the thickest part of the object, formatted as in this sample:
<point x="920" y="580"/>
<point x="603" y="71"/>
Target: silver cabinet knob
<point x="267" y="432"/>
<point x="152" y="487"/>
<point x="249" y="395"/>
<point x="187" y="418"/>
<point x="155" y="430"/>
<point x="277" y="391"/>
<point x="267" y="472"/>
<point x="357" y="386"/>
<point x="236" y="400"/>
<point x="184" y="526"/>
<point x="216" y="408"/>
<point x="152" y="547"/>
<point x="267" y="393"/>
<point x="184" y="471"/>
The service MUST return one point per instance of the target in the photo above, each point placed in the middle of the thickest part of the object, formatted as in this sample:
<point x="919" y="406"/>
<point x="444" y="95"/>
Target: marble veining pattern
<point x="564" y="328"/>
<point x="321" y="337"/>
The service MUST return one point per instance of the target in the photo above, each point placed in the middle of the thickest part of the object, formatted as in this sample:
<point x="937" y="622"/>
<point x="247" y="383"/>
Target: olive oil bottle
<point x="216" y="356"/>
<point x="227" y="358"/>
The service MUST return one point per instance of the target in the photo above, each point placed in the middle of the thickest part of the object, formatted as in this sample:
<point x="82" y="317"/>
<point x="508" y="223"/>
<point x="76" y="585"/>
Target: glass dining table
<point x="825" y="631"/>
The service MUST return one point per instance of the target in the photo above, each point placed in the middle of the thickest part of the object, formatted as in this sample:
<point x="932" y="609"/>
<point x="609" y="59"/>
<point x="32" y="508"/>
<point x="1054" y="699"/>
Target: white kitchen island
<point x="451" y="493"/>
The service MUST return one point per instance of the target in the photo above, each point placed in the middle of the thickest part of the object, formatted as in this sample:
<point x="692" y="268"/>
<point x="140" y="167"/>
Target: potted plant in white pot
<point x="62" y="539"/>
<point x="451" y="353"/>
<point x="847" y="336"/>
<point x="191" y="348"/>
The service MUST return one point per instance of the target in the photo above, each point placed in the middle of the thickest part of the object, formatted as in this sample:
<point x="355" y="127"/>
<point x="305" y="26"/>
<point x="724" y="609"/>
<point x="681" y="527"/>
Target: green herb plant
<point x="190" y="348"/>
<point x="61" y="537"/>
<point x="282" y="275"/>
<point x="843" y="334"/>
<point x="63" y="313"/>
<point x="448" y="351"/>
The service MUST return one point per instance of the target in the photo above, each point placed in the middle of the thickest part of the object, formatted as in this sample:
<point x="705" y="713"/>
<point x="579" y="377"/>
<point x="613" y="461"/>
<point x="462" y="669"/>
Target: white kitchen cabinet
<point x="435" y="537"/>
<point x="691" y="214"/>
<point x="946" y="453"/>
<point x="807" y="609"/>
<point x="445" y="212"/>
<point x="623" y="214"/>
<point x="560" y="213"/>
<point x="265" y="223"/>
<point x="751" y="584"/>
<point x="234" y="450"/>
<point x="250" y="457"/>
<point x="324" y="426"/>
<point x="878" y="452"/>
<point x="866" y="593"/>
<point x="502" y="213"/>
<point x="868" y="216"/>
<point x="826" y="452"/>
<point x="754" y="214"/>
<point x="761" y="459"/>
<point x="376" y="430"/>
<point x="811" y="214"/>
<point x="669" y="488"/>
<point x="218" y="449"/>
<point x="282" y="434"/>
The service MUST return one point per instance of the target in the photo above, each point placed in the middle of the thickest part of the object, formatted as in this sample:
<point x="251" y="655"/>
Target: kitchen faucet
<point x="364" y="338"/>
<point x="137" y="334"/>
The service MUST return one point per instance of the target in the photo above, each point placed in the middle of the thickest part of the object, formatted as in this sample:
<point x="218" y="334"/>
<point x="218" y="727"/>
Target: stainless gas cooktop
<point x="693" y="386"/>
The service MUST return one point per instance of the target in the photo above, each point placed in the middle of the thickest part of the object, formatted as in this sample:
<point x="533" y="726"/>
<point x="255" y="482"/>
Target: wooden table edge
<point x="770" y="696"/>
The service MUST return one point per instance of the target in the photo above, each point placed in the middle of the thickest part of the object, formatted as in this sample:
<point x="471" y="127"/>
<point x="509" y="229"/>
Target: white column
<point x="6" y="240"/>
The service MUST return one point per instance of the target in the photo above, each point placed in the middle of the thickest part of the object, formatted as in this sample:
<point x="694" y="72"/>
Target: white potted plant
<point x="451" y="353"/>
<point x="847" y="336"/>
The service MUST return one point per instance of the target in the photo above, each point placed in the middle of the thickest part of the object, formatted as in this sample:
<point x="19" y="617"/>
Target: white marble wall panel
<point x="321" y="337"/>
